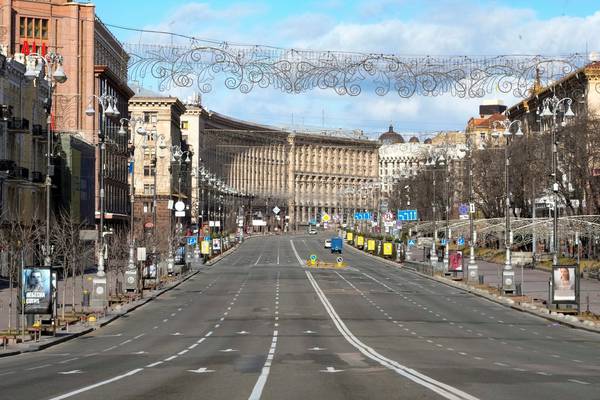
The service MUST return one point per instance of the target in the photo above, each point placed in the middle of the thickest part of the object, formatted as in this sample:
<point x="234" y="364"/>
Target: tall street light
<point x="433" y="163"/>
<point x="553" y="108"/>
<point x="108" y="104"/>
<point x="55" y="74"/>
<point x="472" y="268"/>
<point x="508" y="275"/>
<point x="179" y="157"/>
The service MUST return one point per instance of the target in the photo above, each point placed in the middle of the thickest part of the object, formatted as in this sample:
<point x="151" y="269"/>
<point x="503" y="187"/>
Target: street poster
<point x="349" y="236"/>
<point x="456" y="261"/>
<point x="205" y="247"/>
<point x="564" y="283"/>
<point x="37" y="290"/>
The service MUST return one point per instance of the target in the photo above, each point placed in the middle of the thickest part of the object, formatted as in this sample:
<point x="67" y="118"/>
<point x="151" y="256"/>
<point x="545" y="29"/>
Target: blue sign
<point x="192" y="240"/>
<point x="443" y="241"/>
<point x="412" y="242"/>
<point x="362" y="216"/>
<point x="407" y="215"/>
<point x="313" y="257"/>
<point x="463" y="209"/>
<point x="461" y="241"/>
<point x="313" y="221"/>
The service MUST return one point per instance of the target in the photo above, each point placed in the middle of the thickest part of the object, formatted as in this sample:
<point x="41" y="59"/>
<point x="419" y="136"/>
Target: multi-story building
<point x="192" y="124"/>
<point x="304" y="174"/>
<point x="480" y="130"/>
<point x="161" y="177"/>
<point x="95" y="64"/>
<point x="23" y="142"/>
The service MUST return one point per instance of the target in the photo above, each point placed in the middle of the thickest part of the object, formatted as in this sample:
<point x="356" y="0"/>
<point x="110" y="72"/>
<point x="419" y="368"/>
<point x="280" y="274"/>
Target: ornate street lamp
<point x="508" y="275"/>
<point x="553" y="107"/>
<point x="55" y="75"/>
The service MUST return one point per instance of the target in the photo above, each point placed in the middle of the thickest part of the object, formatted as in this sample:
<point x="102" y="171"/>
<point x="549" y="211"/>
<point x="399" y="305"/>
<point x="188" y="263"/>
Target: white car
<point x="328" y="244"/>
<point x="312" y="232"/>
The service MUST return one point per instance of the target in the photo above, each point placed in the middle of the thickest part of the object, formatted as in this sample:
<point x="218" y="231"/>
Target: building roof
<point x="485" y="123"/>
<point x="391" y="137"/>
<point x="414" y="139"/>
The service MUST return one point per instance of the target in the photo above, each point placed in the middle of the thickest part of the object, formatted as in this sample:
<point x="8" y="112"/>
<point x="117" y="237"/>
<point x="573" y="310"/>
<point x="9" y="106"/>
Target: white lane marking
<point x="227" y="350"/>
<point x="332" y="370"/>
<point x="316" y="348"/>
<point x="309" y="332"/>
<point x="125" y="342"/>
<point x="543" y="373"/>
<point x="202" y="370"/>
<point x="95" y="385"/>
<point x="217" y="325"/>
<point x="176" y="334"/>
<point x="75" y="371"/>
<point x="580" y="382"/>
<point x="242" y="333"/>
<point x="171" y="358"/>
<point x="296" y="253"/>
<point x="110" y="348"/>
<point x="208" y="334"/>
<point x="140" y="352"/>
<point x="38" y="367"/>
<point x="7" y="373"/>
<point x="262" y="379"/>
<point x="438" y="387"/>
<point x="165" y="320"/>
<point x="69" y="360"/>
<point x="256" y="263"/>
<point x="139" y="336"/>
<point x="182" y="352"/>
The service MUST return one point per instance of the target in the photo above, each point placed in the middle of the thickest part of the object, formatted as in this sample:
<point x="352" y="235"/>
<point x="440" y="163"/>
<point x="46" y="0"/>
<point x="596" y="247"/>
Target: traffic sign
<point x="407" y="215"/>
<point x="276" y="210"/>
<point x="313" y="257"/>
<point x="460" y="241"/>
<point x="443" y="241"/>
<point x="358" y="216"/>
<point x="463" y="209"/>
<point x="192" y="240"/>
<point x="339" y="259"/>
<point x="180" y="206"/>
<point x="325" y="217"/>
<point x="412" y="242"/>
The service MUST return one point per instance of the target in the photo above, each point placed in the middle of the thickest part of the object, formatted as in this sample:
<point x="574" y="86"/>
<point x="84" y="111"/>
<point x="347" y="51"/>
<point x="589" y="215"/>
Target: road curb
<point x="497" y="300"/>
<point x="71" y="336"/>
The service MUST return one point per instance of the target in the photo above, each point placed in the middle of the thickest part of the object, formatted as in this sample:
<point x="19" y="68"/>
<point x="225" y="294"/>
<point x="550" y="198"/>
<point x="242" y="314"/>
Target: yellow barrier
<point x="327" y="265"/>
<point x="371" y="245"/>
<point x="387" y="249"/>
<point x="349" y="236"/>
<point x="360" y="241"/>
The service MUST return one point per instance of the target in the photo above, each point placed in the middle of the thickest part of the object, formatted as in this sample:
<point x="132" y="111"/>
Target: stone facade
<point x="303" y="174"/>
<point x="154" y="171"/>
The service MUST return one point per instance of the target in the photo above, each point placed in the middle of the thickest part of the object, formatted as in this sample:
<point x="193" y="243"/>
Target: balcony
<point x="37" y="177"/>
<point x="22" y="173"/>
<point x="9" y="167"/>
<point x="39" y="131"/>
<point x="18" y="124"/>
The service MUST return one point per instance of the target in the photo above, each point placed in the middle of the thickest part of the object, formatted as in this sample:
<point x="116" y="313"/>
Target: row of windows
<point x="33" y="28"/>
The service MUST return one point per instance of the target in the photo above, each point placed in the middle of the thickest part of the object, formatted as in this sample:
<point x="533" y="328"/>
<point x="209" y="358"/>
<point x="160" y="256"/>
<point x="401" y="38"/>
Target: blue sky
<point x="387" y="26"/>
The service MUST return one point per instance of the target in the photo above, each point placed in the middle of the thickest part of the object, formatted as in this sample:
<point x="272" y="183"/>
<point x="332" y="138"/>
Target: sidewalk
<point x="534" y="282"/>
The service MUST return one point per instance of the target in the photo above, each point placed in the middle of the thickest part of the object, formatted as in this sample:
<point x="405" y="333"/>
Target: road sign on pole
<point x="407" y="215"/>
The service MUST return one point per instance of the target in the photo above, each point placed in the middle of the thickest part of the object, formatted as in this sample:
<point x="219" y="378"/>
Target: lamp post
<point x="108" y="104"/>
<point x="472" y="268"/>
<point x="55" y="75"/>
<point x="434" y="162"/>
<point x="552" y="107"/>
<point x="179" y="157"/>
<point x="508" y="275"/>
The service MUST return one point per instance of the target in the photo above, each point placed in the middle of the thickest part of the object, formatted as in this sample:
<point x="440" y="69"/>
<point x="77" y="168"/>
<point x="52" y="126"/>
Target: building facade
<point x="160" y="178"/>
<point x="95" y="64"/>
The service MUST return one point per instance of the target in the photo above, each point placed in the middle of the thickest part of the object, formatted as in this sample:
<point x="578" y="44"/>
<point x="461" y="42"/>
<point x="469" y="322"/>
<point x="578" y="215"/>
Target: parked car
<point x="328" y="244"/>
<point x="312" y="231"/>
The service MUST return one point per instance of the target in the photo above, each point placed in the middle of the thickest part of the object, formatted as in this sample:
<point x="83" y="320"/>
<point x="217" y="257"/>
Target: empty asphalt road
<point x="260" y="325"/>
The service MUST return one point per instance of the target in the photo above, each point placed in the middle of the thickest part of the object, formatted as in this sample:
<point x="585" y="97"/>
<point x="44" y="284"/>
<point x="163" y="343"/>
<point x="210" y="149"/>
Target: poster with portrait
<point x="564" y="284"/>
<point x="455" y="261"/>
<point x="37" y="290"/>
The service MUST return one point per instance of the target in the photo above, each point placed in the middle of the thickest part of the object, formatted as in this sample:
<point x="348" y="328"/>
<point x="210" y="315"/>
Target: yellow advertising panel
<point x="371" y="245"/>
<point x="387" y="249"/>
<point x="360" y="240"/>
<point x="205" y="247"/>
<point x="349" y="236"/>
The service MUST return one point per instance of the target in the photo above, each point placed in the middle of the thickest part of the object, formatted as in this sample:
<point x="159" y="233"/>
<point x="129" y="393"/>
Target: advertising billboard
<point x="37" y="290"/>
<point x="205" y="247"/>
<point x="455" y="261"/>
<point x="564" y="284"/>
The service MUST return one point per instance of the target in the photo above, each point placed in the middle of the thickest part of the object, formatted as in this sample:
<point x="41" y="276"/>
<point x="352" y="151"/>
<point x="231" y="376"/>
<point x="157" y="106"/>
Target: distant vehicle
<point x="312" y="231"/>
<point x="328" y="244"/>
<point x="336" y="244"/>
